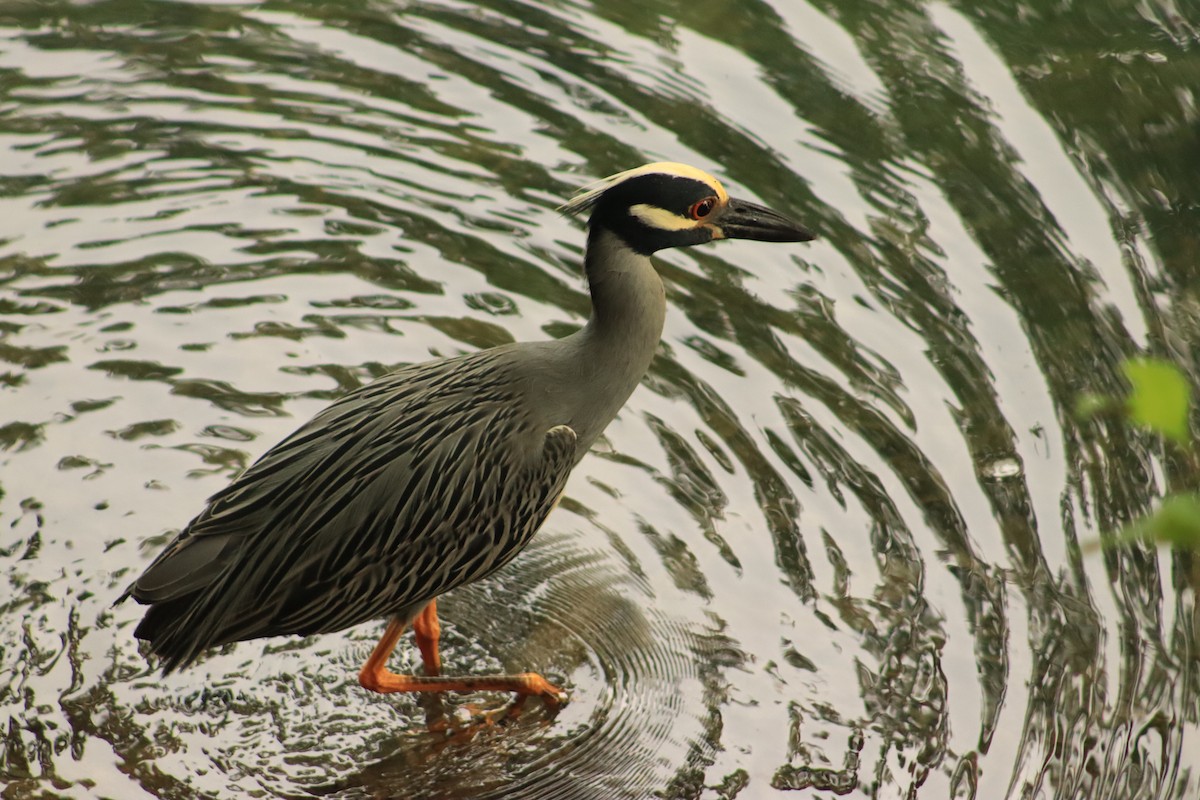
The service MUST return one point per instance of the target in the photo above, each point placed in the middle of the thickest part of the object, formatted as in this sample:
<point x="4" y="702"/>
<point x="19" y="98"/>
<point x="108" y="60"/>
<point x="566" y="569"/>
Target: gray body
<point x="431" y="477"/>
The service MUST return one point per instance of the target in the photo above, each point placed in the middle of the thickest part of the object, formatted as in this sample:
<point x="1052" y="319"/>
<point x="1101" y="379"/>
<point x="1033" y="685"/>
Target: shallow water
<point x="837" y="541"/>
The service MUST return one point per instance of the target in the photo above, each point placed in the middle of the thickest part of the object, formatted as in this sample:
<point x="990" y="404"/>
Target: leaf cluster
<point x="1160" y="401"/>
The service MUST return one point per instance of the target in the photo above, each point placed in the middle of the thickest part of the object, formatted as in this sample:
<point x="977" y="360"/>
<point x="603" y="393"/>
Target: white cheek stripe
<point x="660" y="218"/>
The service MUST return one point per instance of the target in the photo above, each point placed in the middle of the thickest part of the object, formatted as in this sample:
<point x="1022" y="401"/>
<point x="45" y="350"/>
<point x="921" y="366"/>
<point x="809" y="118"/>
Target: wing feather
<point x="404" y="489"/>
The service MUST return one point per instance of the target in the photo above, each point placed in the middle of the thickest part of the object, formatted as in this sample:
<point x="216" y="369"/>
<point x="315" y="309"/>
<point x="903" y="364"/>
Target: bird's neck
<point x="628" y="302"/>
<point x="614" y="350"/>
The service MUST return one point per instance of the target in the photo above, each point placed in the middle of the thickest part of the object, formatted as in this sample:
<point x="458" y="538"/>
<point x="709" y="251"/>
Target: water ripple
<point x="837" y="540"/>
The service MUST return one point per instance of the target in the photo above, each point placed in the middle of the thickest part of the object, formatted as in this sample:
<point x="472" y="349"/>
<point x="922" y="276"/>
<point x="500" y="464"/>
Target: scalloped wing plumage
<point x="422" y="481"/>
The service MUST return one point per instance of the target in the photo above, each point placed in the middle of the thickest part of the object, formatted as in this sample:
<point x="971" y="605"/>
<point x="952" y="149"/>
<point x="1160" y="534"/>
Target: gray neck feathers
<point x="612" y="352"/>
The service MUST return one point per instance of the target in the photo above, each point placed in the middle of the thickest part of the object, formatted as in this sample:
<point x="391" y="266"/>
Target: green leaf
<point x="1161" y="398"/>
<point x="1176" y="523"/>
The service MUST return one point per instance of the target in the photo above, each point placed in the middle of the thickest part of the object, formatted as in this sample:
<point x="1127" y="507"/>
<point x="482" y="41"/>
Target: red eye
<point x="703" y="208"/>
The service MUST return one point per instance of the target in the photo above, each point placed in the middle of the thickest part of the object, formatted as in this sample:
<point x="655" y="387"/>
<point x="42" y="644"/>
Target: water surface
<point x="835" y="543"/>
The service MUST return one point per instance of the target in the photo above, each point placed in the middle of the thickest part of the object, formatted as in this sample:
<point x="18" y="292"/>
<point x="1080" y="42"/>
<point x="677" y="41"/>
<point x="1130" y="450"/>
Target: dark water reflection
<point x="832" y="545"/>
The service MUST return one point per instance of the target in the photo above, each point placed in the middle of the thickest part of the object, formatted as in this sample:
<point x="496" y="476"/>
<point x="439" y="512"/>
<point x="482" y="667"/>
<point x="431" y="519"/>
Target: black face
<point x="655" y="211"/>
<point x="617" y="210"/>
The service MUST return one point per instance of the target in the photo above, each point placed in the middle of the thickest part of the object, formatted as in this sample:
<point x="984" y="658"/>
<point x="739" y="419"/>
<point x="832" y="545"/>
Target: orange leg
<point x="375" y="677"/>
<point x="428" y="631"/>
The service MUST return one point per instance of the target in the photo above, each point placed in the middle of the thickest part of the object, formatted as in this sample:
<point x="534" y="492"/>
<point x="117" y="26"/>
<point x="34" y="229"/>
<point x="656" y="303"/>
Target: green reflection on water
<point x="836" y="535"/>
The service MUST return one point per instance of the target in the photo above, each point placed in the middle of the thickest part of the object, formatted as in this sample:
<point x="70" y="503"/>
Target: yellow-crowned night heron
<point x="439" y="473"/>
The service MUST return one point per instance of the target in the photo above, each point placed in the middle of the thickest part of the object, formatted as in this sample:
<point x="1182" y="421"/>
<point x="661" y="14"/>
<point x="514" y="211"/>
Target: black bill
<point x="744" y="220"/>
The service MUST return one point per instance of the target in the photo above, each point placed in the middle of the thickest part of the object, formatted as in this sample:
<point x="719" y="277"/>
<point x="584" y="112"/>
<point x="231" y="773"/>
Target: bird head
<point x="665" y="204"/>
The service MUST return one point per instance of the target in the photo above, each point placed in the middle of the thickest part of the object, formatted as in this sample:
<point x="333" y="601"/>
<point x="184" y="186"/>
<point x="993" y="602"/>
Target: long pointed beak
<point x="744" y="220"/>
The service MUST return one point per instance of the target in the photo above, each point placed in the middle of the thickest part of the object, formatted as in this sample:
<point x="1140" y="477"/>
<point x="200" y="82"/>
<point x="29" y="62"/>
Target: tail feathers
<point x="181" y="629"/>
<point x="165" y="628"/>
